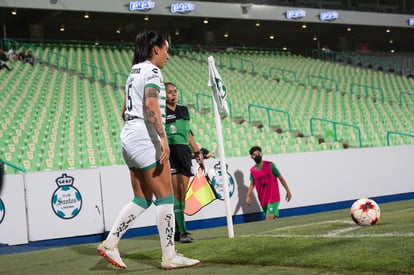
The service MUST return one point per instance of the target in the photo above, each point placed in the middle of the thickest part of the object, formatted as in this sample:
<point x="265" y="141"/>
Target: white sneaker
<point x="178" y="261"/>
<point x="111" y="255"/>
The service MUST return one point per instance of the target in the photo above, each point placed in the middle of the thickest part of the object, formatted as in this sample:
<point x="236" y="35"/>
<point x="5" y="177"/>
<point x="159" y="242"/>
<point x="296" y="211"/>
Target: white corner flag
<point x="217" y="85"/>
<point x="219" y="92"/>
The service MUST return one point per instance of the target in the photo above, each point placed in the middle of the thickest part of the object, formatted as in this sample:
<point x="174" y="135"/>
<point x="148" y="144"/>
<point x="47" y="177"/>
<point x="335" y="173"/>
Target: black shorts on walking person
<point x="180" y="160"/>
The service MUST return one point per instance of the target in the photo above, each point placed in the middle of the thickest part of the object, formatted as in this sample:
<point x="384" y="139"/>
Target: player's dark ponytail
<point x="144" y="43"/>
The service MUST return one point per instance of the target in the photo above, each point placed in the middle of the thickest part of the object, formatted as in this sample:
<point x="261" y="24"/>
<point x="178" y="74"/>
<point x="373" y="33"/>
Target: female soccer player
<point x="145" y="150"/>
<point x="180" y="139"/>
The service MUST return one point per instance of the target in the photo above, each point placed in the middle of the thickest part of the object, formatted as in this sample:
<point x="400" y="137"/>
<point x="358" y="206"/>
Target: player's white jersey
<point x="143" y="75"/>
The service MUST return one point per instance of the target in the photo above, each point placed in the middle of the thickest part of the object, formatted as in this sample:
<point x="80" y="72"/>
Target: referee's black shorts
<point x="180" y="160"/>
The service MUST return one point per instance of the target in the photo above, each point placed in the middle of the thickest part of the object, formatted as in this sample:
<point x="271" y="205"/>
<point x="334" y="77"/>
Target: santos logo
<point x="217" y="181"/>
<point x="66" y="200"/>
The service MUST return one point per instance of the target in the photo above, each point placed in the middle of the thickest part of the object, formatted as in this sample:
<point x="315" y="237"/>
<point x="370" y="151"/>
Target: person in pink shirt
<point x="265" y="177"/>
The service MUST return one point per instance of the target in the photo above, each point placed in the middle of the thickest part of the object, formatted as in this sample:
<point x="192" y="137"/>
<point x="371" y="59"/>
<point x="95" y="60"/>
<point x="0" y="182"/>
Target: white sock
<point x="122" y="223"/>
<point x="166" y="228"/>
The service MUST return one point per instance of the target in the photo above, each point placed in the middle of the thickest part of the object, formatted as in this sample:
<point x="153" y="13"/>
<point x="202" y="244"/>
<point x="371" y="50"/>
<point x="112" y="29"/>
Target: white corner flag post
<point x="219" y="95"/>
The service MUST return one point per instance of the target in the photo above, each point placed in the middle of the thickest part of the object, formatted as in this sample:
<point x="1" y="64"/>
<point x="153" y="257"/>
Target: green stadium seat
<point x="86" y="120"/>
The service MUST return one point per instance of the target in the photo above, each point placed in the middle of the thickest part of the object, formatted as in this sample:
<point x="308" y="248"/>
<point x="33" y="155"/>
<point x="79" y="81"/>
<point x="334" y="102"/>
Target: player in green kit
<point x="180" y="139"/>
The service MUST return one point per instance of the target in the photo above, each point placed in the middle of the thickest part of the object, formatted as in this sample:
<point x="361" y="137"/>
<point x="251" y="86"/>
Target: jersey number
<point x="129" y="98"/>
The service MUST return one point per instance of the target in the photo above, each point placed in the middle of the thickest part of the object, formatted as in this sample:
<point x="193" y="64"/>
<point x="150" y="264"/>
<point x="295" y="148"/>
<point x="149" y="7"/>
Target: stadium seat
<point x="83" y="121"/>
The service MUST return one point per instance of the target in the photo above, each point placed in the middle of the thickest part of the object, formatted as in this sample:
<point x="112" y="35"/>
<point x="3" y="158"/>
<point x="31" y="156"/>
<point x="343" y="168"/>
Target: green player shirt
<point x="177" y="125"/>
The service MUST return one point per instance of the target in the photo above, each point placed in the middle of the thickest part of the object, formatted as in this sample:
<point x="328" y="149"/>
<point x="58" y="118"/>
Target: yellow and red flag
<point x="199" y="193"/>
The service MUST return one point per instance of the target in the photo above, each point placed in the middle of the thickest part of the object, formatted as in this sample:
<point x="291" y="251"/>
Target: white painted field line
<point x="333" y="234"/>
<point x="338" y="232"/>
<point x="308" y="224"/>
<point x="408" y="234"/>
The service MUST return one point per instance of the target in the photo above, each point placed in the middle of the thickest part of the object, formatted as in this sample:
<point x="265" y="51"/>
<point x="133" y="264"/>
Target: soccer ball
<point x="365" y="212"/>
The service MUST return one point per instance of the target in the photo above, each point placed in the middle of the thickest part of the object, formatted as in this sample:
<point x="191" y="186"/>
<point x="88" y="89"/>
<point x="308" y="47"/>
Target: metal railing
<point x="58" y="57"/>
<point x="5" y="162"/>
<point x="366" y="88"/>
<point x="334" y="124"/>
<point x="286" y="75"/>
<point x="405" y="93"/>
<point x="242" y="64"/>
<point x="116" y="74"/>
<point x="268" y="110"/>
<point x="389" y="133"/>
<point x="322" y="80"/>
<point x="94" y="69"/>
<point x="198" y="104"/>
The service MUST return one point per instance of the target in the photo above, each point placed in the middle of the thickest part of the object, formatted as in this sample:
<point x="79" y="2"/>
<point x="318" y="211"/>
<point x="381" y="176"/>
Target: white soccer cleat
<point x="179" y="261"/>
<point x="111" y="255"/>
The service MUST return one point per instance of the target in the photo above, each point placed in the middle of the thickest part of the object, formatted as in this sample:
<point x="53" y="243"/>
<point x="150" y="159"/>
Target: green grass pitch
<point x="323" y="243"/>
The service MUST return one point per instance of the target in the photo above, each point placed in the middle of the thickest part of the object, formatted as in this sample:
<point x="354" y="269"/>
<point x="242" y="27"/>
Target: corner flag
<point x="217" y="85"/>
<point x="199" y="194"/>
<point x="219" y="92"/>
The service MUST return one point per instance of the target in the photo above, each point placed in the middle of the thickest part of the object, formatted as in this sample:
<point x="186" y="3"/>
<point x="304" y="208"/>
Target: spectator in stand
<point x="3" y="60"/>
<point x="22" y="54"/>
<point x="29" y="58"/>
<point x="13" y="53"/>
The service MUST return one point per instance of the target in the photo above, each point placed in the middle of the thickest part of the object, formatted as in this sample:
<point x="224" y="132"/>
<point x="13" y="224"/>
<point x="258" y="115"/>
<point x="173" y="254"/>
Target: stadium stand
<point x="64" y="112"/>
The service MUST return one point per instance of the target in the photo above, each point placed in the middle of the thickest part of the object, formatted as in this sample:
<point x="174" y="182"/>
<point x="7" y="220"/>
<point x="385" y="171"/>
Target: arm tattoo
<point x="151" y="92"/>
<point x="156" y="122"/>
<point x="153" y="115"/>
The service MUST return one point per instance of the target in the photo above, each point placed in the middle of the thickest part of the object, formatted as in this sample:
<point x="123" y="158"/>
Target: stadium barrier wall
<point x="63" y="204"/>
<point x="72" y="203"/>
<point x="13" y="223"/>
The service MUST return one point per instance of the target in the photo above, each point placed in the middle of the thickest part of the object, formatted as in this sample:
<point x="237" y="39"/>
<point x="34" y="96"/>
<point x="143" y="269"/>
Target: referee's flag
<point x="217" y="85"/>
<point x="199" y="193"/>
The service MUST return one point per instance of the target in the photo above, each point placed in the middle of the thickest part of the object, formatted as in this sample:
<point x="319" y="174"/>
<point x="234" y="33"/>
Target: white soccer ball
<point x="365" y="212"/>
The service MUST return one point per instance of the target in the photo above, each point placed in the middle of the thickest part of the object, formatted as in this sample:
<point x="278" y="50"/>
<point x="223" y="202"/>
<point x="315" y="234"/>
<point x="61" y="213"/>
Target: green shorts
<point x="271" y="208"/>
